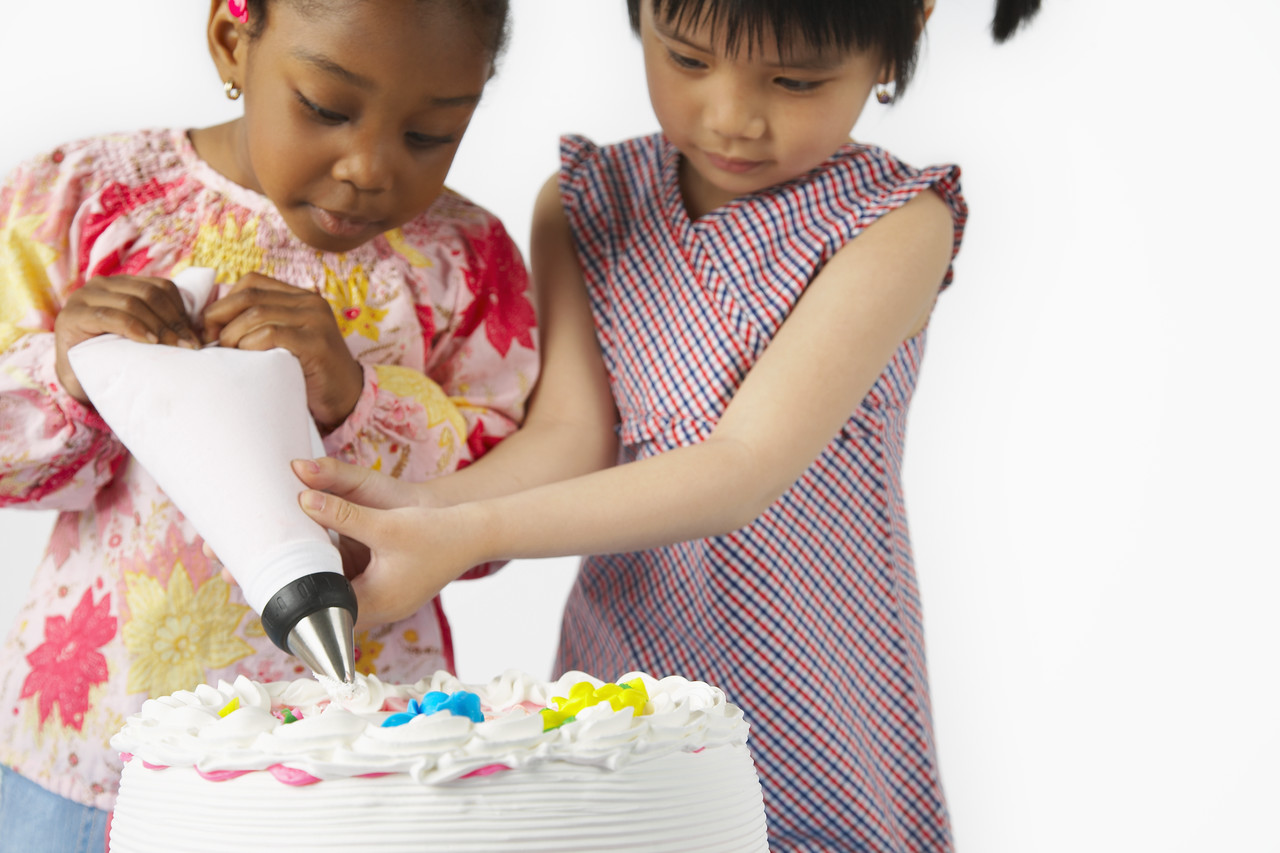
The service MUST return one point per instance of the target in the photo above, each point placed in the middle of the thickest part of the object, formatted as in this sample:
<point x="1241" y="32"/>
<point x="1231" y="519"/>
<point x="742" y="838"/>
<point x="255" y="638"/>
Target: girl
<point x="742" y="300"/>
<point x="324" y="210"/>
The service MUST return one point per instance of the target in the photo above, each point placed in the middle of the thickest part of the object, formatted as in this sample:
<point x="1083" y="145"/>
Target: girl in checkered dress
<point x="735" y="308"/>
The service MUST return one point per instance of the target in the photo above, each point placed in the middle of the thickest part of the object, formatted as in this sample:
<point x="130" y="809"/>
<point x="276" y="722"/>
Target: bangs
<point x="886" y="28"/>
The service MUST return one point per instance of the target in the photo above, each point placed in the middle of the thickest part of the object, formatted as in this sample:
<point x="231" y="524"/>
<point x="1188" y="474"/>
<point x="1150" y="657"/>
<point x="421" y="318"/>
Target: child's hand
<point x="147" y="310"/>
<point x="414" y="550"/>
<point x="260" y="313"/>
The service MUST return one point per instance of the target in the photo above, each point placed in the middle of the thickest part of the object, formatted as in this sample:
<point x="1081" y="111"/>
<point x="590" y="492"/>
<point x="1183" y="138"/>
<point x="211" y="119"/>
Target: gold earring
<point x="232" y="90"/>
<point x="883" y="95"/>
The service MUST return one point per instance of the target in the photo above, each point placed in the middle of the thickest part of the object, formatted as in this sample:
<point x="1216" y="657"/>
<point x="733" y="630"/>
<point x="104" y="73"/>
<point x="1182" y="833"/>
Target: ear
<point x="228" y="43"/>
<point x="886" y="74"/>
<point x="928" y="10"/>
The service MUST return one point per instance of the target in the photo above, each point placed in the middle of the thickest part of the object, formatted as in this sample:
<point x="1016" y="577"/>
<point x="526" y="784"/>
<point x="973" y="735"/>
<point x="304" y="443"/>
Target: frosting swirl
<point x="234" y="727"/>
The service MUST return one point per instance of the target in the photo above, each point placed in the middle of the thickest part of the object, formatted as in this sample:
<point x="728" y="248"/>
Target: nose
<point x="365" y="161"/>
<point x="732" y="111"/>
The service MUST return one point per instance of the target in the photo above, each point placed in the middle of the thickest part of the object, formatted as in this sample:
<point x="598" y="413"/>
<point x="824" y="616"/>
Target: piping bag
<point x="216" y="429"/>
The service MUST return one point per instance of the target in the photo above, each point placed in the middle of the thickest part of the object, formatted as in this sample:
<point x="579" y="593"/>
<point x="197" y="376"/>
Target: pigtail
<point x="1011" y="14"/>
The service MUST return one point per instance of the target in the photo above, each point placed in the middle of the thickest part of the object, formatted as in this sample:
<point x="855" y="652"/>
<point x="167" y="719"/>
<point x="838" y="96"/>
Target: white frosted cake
<point x="515" y="765"/>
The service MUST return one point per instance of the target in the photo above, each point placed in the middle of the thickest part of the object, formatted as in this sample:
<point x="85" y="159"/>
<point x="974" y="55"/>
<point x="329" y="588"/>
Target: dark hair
<point x="885" y="26"/>
<point x="490" y="15"/>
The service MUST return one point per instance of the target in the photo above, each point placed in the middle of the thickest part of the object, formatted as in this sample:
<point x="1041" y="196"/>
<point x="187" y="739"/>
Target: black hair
<point x="491" y="17"/>
<point x="889" y="27"/>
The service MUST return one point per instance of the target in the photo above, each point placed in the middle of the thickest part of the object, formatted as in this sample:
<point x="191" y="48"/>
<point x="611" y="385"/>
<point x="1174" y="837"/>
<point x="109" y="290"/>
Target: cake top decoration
<point x="460" y="703"/>
<point x="514" y="720"/>
<point x="584" y="694"/>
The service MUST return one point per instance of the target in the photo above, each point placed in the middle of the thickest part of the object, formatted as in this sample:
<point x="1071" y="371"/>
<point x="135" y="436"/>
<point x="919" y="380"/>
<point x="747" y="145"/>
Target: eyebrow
<point x="333" y="69"/>
<point x="812" y="62"/>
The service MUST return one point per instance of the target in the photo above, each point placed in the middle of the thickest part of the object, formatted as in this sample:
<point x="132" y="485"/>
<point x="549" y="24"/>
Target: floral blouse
<point x="124" y="605"/>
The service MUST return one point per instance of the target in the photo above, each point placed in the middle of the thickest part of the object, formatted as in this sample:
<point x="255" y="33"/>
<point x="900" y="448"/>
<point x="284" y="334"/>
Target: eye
<point x="686" y="62"/>
<point x="791" y="84"/>
<point x="426" y="140"/>
<point x="320" y="113"/>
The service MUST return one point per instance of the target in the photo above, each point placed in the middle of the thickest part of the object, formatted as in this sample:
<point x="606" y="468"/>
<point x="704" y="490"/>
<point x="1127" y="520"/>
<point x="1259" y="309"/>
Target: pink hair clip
<point x="239" y="10"/>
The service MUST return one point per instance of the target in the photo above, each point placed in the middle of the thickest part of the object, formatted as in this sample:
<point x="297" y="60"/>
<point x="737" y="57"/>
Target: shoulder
<point x="878" y="181"/>
<point x="81" y="168"/>
<point x="580" y="156"/>
<point x="106" y="174"/>
<point x="119" y="157"/>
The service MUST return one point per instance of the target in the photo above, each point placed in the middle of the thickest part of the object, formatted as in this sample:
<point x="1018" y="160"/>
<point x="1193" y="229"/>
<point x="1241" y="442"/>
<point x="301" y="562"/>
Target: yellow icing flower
<point x="174" y="634"/>
<point x="584" y="694"/>
<point x="348" y="298"/>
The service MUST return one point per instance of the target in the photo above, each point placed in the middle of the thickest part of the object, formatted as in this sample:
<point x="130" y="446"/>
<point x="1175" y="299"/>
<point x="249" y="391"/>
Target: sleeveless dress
<point x="809" y="617"/>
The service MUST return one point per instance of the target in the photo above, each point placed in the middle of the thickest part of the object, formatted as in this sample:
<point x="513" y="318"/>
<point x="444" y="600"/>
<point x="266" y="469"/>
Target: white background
<point x="1092" y="461"/>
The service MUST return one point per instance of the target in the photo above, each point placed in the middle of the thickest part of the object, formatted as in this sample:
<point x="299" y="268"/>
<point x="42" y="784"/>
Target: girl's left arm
<point x="481" y="365"/>
<point x="877" y="291"/>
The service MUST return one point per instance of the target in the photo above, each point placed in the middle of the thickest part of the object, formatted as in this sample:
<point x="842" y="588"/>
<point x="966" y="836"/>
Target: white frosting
<point x="677" y="777"/>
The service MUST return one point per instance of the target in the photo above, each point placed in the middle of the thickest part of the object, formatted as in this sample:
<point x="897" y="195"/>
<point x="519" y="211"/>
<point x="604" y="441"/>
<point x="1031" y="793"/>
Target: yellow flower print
<point x="409" y="383"/>
<point x="350" y="308"/>
<point x="415" y="258"/>
<point x="173" y="635"/>
<point x="369" y="649"/>
<point x="23" y="264"/>
<point x="232" y="250"/>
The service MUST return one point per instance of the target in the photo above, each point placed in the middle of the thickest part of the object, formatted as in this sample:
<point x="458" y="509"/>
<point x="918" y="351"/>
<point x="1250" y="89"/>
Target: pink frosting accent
<point x="221" y="775"/>
<point x="371" y="775"/>
<point x="126" y="757"/>
<point x="487" y="770"/>
<point x="291" y="776"/>
<point x="150" y="766"/>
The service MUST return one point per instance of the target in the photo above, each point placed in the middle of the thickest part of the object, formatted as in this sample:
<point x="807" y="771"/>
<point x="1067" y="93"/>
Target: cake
<point x="514" y="765"/>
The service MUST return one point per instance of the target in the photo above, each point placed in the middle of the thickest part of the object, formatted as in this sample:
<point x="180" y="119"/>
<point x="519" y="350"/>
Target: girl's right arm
<point x="55" y="452"/>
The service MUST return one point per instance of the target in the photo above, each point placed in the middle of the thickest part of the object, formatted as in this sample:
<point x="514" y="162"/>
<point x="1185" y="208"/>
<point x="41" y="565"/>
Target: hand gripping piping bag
<point x="216" y="428"/>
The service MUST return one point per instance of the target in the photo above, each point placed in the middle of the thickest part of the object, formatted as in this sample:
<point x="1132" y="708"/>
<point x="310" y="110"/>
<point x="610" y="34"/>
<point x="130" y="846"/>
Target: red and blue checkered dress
<point x="809" y="618"/>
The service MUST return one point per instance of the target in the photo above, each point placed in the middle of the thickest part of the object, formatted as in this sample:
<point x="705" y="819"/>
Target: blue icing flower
<point x="459" y="704"/>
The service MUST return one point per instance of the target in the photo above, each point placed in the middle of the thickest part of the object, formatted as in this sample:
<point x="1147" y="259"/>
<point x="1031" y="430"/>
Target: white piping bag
<point x="216" y="428"/>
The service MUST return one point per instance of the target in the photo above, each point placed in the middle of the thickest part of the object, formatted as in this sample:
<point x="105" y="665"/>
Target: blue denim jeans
<point x="34" y="820"/>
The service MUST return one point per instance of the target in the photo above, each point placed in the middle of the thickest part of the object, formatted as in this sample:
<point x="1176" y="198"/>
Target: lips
<point x="736" y="165"/>
<point x="340" y="224"/>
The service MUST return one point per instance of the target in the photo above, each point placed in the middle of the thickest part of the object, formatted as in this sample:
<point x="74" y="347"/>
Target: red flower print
<point x="479" y="442"/>
<point x="426" y="320"/>
<point x="117" y="200"/>
<point x="66" y="664"/>
<point x="497" y="279"/>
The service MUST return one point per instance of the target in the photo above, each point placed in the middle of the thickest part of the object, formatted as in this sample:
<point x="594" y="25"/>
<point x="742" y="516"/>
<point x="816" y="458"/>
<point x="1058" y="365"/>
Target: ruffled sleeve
<point x="887" y="184"/>
<point x="55" y="453"/>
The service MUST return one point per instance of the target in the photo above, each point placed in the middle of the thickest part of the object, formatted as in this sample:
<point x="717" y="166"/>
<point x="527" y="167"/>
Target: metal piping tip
<point x="325" y="641"/>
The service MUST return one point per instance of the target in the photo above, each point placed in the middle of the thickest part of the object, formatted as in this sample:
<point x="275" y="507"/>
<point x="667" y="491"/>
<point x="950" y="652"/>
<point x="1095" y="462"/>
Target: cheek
<point x="676" y="111"/>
